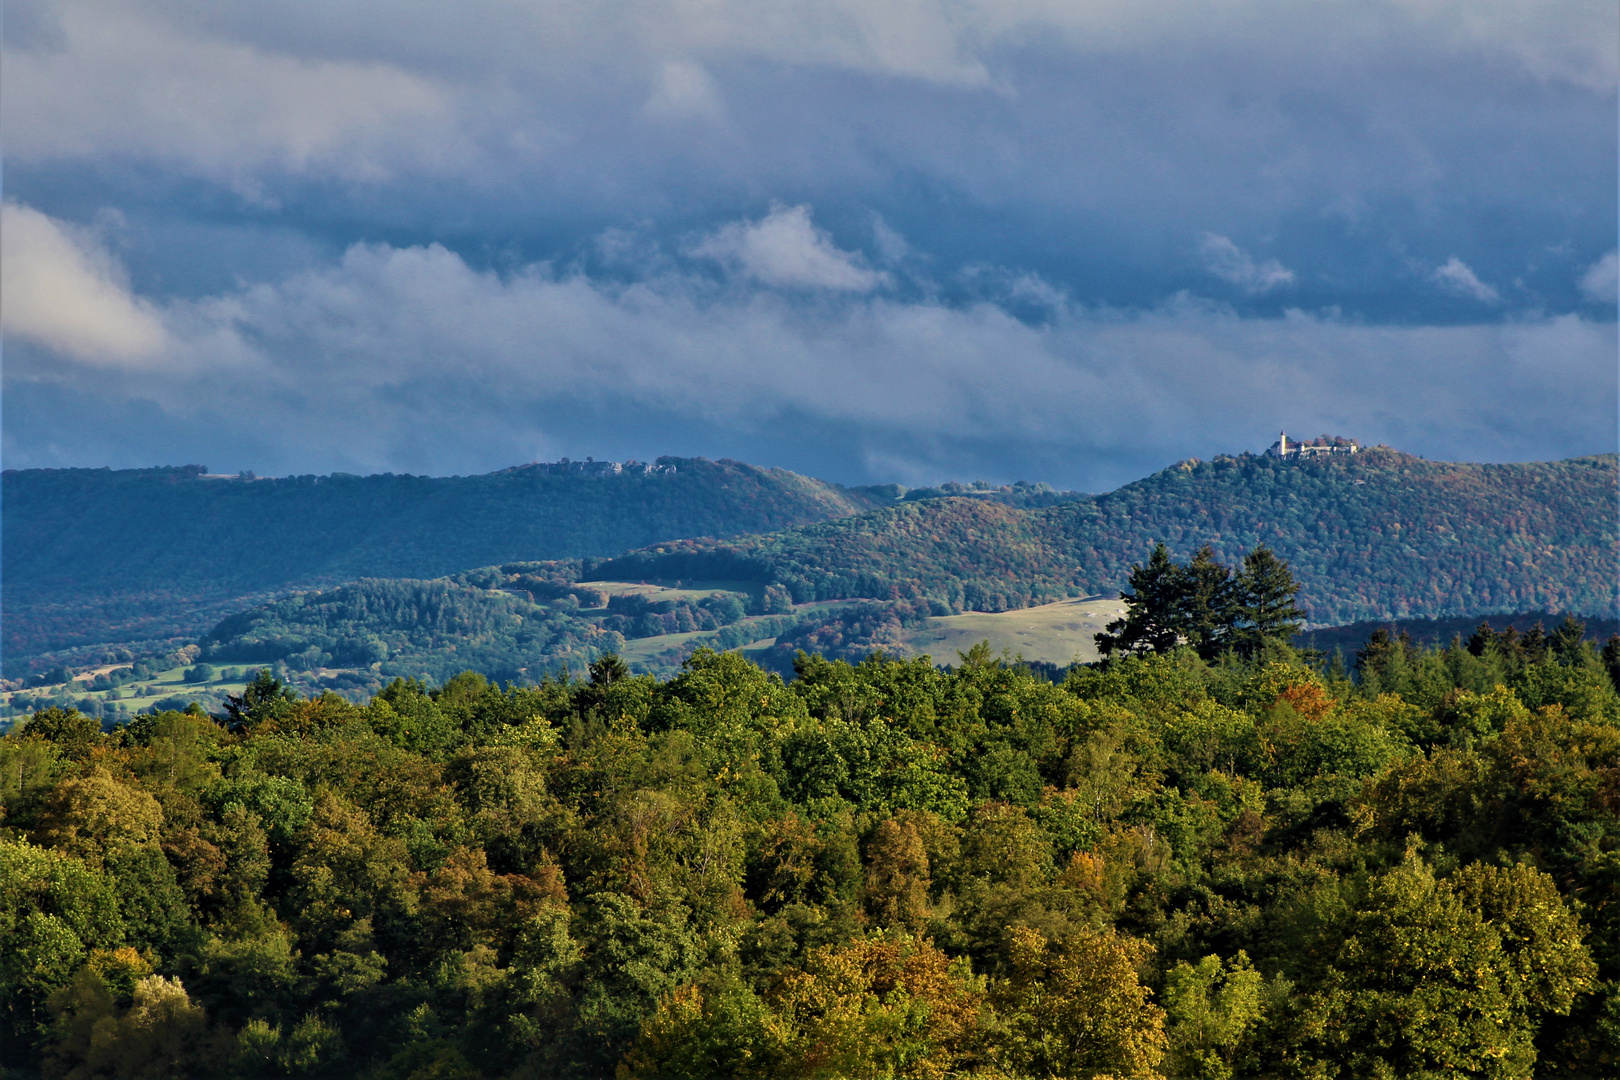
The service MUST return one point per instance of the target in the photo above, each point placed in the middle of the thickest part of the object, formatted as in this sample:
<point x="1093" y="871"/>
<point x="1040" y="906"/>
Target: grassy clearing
<point x="692" y="590"/>
<point x="638" y="651"/>
<point x="142" y="693"/>
<point x="1059" y="633"/>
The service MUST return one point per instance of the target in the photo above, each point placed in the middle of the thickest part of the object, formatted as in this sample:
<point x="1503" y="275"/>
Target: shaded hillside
<point x="97" y="555"/>
<point x="1440" y="632"/>
<point x="1376" y="536"/>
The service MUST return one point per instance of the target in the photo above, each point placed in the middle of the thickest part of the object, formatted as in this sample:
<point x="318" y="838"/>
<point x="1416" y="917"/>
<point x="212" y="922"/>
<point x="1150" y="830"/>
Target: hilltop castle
<point x="1322" y="446"/>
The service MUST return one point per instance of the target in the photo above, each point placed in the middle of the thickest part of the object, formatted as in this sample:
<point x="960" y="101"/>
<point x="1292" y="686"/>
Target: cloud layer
<point x="896" y="239"/>
<point x="391" y="348"/>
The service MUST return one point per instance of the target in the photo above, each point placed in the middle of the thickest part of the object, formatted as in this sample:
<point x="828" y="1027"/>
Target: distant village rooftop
<point x="1321" y="446"/>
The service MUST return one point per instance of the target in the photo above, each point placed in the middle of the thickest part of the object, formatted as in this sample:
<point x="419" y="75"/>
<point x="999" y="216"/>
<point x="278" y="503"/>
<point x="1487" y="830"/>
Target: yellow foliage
<point x="92" y="815"/>
<point x="1075" y="1007"/>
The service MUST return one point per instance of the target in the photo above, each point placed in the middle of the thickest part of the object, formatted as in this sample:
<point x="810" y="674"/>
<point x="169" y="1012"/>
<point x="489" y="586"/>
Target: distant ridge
<point x="1376" y="535"/>
<point x="104" y="555"/>
<point x="147" y="558"/>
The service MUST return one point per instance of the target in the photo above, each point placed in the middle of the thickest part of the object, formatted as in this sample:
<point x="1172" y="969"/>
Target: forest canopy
<point x="1159" y="866"/>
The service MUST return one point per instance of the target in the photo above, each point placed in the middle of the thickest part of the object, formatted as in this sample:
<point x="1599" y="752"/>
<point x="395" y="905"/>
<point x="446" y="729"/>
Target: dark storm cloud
<point x="1065" y="241"/>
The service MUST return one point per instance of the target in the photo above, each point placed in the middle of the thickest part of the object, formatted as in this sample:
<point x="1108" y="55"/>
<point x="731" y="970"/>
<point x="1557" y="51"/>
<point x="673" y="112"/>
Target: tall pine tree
<point x="1263" y="602"/>
<point x="1151" y="622"/>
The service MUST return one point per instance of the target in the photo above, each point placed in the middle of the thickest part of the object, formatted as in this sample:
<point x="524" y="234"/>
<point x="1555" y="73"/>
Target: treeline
<point x="1161" y="866"/>
<point x="417" y="629"/>
<point x="519" y="622"/>
<point x="1380" y="535"/>
<point x="1440" y="631"/>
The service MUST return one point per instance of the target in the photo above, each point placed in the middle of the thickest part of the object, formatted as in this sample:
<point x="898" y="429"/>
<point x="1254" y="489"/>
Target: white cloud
<point x="1458" y="278"/>
<point x="61" y="289"/>
<point x="685" y="91"/>
<point x="1231" y="263"/>
<point x="1601" y="282"/>
<point x="128" y="81"/>
<point x="784" y="248"/>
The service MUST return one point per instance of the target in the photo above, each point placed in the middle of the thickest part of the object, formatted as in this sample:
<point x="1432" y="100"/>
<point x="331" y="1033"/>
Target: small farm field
<point x="1059" y="633"/>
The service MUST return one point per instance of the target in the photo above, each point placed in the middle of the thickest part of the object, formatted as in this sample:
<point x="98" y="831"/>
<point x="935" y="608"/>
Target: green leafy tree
<point x="162" y="1033"/>
<point x="55" y="911"/>
<point x="634" y="956"/>
<point x="70" y="730"/>
<point x="716" y="1027"/>
<point x="1437" y="978"/>
<point x="1213" y="1007"/>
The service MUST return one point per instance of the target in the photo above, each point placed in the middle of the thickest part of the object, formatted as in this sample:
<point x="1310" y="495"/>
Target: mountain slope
<point x="1375" y="536"/>
<point x="97" y="555"/>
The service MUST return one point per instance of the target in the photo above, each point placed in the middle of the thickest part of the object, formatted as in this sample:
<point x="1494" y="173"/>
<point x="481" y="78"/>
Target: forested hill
<point x="1162" y="869"/>
<point x="1375" y="536"/>
<point x="99" y="555"/>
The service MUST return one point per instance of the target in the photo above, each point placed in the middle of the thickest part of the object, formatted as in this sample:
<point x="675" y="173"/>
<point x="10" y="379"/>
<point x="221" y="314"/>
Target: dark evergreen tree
<point x="1152" y="608"/>
<point x="1263" y="602"/>
<point x="1372" y="659"/>
<point x="1204" y="611"/>
<point x="1535" y="644"/>
<point x="608" y="670"/>
<point x="1568" y="642"/>
<point x="263" y="698"/>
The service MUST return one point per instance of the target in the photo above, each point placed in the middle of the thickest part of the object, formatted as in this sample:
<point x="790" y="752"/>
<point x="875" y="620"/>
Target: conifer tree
<point x="1263" y="604"/>
<point x="1204" y="612"/>
<point x="1151" y="622"/>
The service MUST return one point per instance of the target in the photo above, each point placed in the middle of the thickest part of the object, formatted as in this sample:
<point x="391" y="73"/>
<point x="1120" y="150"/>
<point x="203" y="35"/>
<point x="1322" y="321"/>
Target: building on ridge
<point x="1321" y="446"/>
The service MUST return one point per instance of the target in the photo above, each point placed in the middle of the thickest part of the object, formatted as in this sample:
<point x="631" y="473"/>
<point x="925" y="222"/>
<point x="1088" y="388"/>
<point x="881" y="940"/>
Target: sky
<point x="868" y="240"/>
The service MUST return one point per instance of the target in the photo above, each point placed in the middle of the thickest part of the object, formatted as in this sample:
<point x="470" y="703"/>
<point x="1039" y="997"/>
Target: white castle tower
<point x="1323" y="447"/>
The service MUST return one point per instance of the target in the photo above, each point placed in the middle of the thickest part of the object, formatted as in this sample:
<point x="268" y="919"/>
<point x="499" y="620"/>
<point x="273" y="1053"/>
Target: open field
<point x="139" y="694"/>
<point x="653" y="591"/>
<point x="638" y="651"/>
<point x="1059" y="633"/>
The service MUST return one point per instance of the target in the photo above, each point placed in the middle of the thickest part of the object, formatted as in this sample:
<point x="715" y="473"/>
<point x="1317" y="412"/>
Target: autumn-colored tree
<point x="1076" y="1007"/>
<point x="96" y="816"/>
<point x="890" y="1005"/>
<point x="897" y="880"/>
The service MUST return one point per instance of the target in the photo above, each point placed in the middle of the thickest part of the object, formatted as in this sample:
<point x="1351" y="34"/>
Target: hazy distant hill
<point x="1378" y="535"/>
<point x="99" y="555"/>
